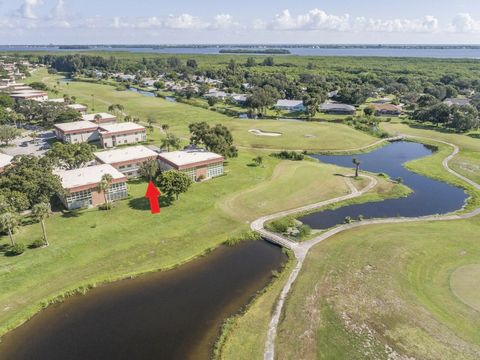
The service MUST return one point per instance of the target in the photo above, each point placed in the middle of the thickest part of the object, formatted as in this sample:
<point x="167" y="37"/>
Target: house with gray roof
<point x="337" y="109"/>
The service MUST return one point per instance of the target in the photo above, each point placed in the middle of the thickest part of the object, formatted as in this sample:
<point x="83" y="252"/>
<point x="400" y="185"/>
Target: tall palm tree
<point x="103" y="187"/>
<point x="8" y="223"/>
<point x="40" y="212"/>
<point x="165" y="128"/>
<point x="357" y="163"/>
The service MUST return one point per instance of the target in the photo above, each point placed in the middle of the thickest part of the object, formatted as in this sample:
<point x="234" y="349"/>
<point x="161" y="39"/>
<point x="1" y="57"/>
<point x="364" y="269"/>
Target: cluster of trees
<point x="459" y="118"/>
<point x="217" y="139"/>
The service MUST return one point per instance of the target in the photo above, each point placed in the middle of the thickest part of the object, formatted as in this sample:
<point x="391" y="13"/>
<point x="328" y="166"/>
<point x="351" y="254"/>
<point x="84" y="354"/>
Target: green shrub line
<point x="231" y="323"/>
<point x="245" y="236"/>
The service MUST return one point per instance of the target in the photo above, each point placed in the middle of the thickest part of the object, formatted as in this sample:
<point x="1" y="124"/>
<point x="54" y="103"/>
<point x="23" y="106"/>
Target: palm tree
<point x="103" y="187"/>
<point x="357" y="163"/>
<point x="97" y="118"/>
<point x="165" y="128"/>
<point x="40" y="212"/>
<point x="258" y="160"/>
<point x="8" y="223"/>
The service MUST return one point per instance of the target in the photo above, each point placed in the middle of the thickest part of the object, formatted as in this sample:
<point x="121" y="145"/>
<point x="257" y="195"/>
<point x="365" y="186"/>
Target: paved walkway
<point x="301" y="249"/>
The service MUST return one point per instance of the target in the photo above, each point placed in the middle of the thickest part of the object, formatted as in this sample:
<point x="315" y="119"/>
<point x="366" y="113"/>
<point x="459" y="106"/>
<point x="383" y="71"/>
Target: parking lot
<point x="26" y="145"/>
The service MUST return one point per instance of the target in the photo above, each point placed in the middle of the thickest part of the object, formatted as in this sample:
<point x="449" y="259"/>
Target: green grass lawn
<point x="297" y="135"/>
<point x="386" y="285"/>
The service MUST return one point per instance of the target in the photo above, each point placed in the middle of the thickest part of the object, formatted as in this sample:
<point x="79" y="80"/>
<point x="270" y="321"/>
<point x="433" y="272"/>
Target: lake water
<point x="167" y="315"/>
<point x="142" y="92"/>
<point x="447" y="53"/>
<point x="429" y="196"/>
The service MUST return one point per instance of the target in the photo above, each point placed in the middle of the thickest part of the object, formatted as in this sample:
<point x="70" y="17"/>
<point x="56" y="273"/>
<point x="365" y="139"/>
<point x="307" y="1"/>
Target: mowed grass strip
<point x="379" y="290"/>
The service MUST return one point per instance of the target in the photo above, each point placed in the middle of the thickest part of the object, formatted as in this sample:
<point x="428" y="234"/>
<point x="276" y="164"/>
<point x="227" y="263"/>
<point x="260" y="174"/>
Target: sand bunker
<point x="263" y="133"/>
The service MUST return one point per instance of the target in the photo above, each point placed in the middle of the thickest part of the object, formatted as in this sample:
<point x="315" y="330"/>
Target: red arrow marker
<point x="152" y="194"/>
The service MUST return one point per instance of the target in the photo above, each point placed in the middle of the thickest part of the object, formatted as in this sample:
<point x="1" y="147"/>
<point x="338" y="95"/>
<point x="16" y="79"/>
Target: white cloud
<point x="223" y="21"/>
<point x="59" y="11"/>
<point x="428" y="24"/>
<point x="464" y="23"/>
<point x="185" y="22"/>
<point x="315" y="19"/>
<point x="27" y="9"/>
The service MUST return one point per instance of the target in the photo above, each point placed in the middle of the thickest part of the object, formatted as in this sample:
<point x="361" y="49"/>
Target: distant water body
<point x="386" y="51"/>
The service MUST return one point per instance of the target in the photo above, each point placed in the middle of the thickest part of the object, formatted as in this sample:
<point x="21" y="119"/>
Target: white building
<point x="104" y="118"/>
<point x="81" y="186"/>
<point x="112" y="135"/>
<point x="82" y="109"/>
<point x="290" y="105"/>
<point x="76" y="132"/>
<point x="126" y="160"/>
<point x="198" y="164"/>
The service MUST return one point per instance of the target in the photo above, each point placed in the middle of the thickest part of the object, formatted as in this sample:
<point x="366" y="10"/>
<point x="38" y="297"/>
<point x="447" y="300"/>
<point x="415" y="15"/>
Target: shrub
<point x="304" y="230"/>
<point x="289" y="155"/>
<point x="246" y="236"/>
<point x="37" y="243"/>
<point x="347" y="220"/>
<point x="281" y="225"/>
<point x="16" y="249"/>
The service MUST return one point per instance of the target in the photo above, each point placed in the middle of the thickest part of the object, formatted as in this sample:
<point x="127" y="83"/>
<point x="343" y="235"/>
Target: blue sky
<point x="246" y="21"/>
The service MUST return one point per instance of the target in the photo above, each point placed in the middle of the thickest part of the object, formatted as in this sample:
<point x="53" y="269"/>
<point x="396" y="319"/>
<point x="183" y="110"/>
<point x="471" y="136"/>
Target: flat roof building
<point x="198" y="164"/>
<point x="112" y="135"/>
<point x="30" y="95"/>
<point x="126" y="160"/>
<point x="76" y="131"/>
<point x="81" y="186"/>
<point x="105" y="118"/>
<point x="82" y="109"/>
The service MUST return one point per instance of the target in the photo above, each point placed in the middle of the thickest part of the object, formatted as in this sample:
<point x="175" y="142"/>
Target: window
<point x="190" y="172"/>
<point x="79" y="199"/>
<point x="214" y="170"/>
<point x="117" y="191"/>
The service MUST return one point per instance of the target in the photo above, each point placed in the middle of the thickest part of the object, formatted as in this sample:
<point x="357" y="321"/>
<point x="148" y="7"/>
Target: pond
<point x="429" y="196"/>
<point x="142" y="92"/>
<point x="166" y="315"/>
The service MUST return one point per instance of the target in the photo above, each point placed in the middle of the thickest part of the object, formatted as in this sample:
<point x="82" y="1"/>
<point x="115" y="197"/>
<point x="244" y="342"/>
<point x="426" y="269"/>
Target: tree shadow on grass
<point x="143" y="204"/>
<point x="70" y="214"/>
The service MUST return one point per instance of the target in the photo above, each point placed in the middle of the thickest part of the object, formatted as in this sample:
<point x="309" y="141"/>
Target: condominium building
<point x="126" y="160"/>
<point x="82" y="186"/>
<point x="198" y="164"/>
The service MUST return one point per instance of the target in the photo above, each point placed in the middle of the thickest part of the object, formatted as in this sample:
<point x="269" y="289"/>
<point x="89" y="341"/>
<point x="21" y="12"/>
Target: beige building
<point x="81" y="186"/>
<point x="112" y="135"/>
<point x="126" y="160"/>
<point x="29" y="95"/>
<point x="76" y="132"/>
<point x="105" y="118"/>
<point x="198" y="164"/>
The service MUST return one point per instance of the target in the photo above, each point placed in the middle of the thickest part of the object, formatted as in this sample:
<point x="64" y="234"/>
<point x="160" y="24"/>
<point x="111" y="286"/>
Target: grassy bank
<point x="403" y="280"/>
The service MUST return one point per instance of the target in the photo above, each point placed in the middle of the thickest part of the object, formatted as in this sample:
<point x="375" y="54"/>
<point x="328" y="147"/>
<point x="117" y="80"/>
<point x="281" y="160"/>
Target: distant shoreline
<point x="256" y="51"/>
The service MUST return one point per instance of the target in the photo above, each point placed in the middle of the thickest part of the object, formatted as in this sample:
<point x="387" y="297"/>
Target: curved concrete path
<point x="301" y="249"/>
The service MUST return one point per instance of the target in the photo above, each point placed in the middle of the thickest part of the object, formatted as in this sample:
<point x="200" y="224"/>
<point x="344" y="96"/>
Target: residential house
<point x="126" y="160"/>
<point x="29" y="95"/>
<point x="112" y="135"/>
<point x="196" y="163"/>
<point x="214" y="93"/>
<point x="456" y="101"/>
<point x="337" y="109"/>
<point x="76" y="132"/>
<point x="81" y="186"/>
<point x="239" y="98"/>
<point x="387" y="109"/>
<point x="290" y="105"/>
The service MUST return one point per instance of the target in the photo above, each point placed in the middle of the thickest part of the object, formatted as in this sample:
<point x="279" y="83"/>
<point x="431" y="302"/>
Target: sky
<point x="237" y="22"/>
